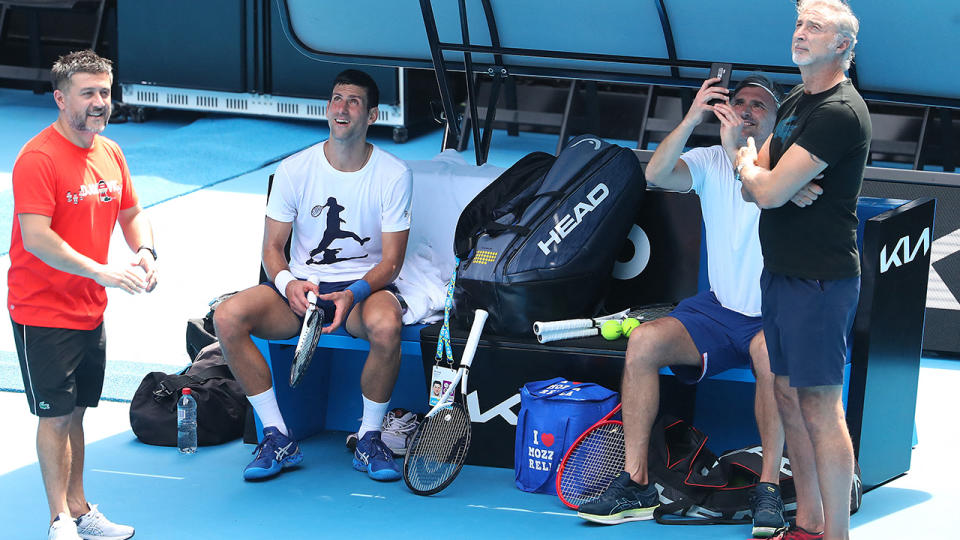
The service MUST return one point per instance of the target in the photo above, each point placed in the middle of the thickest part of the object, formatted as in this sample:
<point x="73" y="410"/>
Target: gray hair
<point x="842" y="16"/>
<point x="85" y="61"/>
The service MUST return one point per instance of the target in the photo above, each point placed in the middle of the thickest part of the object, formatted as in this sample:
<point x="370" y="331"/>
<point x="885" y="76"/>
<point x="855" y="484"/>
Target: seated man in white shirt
<point x="714" y="330"/>
<point x="347" y="205"/>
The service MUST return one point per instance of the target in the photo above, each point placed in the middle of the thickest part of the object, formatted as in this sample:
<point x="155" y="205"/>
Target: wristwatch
<point x="150" y="249"/>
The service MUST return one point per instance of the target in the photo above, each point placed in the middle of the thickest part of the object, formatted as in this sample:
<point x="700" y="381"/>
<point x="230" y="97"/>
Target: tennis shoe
<point x="63" y="528"/>
<point x="767" y="507"/>
<point x="798" y="533"/>
<point x="95" y="526"/>
<point x="374" y="458"/>
<point x="398" y="427"/>
<point x="274" y="453"/>
<point x="623" y="501"/>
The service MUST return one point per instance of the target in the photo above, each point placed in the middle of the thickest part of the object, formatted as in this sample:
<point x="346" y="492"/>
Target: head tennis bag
<point x="553" y="414"/>
<point x="540" y="242"/>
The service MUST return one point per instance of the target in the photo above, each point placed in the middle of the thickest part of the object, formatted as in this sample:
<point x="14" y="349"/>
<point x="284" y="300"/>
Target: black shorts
<point x="61" y="368"/>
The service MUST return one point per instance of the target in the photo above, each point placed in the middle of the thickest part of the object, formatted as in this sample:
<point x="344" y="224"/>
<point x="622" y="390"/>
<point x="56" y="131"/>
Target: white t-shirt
<point x="734" y="260"/>
<point x="338" y="216"/>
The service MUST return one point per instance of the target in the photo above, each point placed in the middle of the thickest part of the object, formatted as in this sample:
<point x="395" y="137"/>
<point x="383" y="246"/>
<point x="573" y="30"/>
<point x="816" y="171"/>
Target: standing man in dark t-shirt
<point x="811" y="279"/>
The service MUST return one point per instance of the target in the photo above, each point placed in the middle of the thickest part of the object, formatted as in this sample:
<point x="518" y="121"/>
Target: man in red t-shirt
<point x="71" y="186"/>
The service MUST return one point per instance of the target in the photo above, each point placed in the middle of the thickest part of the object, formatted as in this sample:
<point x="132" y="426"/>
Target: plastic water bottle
<point x="187" y="423"/>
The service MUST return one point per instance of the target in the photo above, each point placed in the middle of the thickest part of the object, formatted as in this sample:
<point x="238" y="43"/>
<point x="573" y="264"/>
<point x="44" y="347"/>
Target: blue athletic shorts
<point x="721" y="335"/>
<point x="807" y="325"/>
<point x="328" y="307"/>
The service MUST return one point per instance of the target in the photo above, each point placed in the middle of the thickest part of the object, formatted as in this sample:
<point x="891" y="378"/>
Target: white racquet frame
<point x="479" y="320"/>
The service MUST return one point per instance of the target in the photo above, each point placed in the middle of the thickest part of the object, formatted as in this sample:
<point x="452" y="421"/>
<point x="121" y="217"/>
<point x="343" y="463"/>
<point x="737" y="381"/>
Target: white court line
<point x="367" y="495"/>
<point x="508" y="509"/>
<point x="139" y="474"/>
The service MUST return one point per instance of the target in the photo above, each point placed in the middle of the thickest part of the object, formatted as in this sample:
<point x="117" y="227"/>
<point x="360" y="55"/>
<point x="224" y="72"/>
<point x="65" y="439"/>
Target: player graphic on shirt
<point x="331" y="233"/>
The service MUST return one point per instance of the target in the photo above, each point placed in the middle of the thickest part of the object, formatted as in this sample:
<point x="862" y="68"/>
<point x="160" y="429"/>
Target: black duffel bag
<point x="221" y="403"/>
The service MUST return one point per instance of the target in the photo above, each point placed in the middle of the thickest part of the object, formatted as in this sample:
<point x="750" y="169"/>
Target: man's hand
<point x="700" y="106"/>
<point x="149" y="266"/>
<point x="731" y="127"/>
<point x="807" y="194"/>
<point x="344" y="301"/>
<point x="126" y="279"/>
<point x="297" y="295"/>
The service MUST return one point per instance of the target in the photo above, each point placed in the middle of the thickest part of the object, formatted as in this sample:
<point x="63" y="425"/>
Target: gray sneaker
<point x="95" y="526"/>
<point x="398" y="426"/>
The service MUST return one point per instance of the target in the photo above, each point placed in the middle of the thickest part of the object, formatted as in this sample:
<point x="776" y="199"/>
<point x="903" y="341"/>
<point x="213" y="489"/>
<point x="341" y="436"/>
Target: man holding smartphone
<point x="811" y="276"/>
<point x="714" y="330"/>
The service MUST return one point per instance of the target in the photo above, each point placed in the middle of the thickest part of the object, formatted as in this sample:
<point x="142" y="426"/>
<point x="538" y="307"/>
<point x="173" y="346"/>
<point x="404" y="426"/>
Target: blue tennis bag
<point x="553" y="414"/>
<point x="540" y="242"/>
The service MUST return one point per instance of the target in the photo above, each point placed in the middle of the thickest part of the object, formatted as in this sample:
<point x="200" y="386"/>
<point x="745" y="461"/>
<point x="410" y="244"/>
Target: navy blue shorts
<point x="722" y="336"/>
<point x="328" y="307"/>
<point x="807" y="324"/>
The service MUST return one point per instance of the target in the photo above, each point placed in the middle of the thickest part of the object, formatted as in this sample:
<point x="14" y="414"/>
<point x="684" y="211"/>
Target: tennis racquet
<point x="439" y="446"/>
<point x="568" y="334"/>
<point x="592" y="462"/>
<point x="309" y="334"/>
<point x="549" y="327"/>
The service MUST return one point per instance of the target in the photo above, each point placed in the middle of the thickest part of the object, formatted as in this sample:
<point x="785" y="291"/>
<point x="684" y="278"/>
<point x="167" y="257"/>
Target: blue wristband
<point x="360" y="289"/>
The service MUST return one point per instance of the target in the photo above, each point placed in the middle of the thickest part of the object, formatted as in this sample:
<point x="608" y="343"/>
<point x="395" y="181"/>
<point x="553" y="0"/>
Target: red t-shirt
<point x="82" y="190"/>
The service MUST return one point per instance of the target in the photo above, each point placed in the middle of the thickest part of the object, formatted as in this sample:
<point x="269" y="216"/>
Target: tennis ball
<point x="611" y="330"/>
<point x="628" y="325"/>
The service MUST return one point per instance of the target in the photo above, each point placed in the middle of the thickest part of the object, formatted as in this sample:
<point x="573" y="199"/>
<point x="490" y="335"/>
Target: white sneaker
<point x="95" y="526"/>
<point x="398" y="426"/>
<point x="63" y="528"/>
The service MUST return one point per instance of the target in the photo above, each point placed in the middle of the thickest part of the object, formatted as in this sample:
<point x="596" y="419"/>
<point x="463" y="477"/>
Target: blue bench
<point x="328" y="397"/>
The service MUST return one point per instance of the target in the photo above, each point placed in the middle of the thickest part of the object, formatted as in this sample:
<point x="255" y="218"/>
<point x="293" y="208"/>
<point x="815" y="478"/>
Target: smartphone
<point x="723" y="71"/>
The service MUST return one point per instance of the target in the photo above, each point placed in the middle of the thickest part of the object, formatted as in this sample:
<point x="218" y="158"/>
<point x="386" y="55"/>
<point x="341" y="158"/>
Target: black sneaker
<point x="624" y="500"/>
<point x="767" y="507"/>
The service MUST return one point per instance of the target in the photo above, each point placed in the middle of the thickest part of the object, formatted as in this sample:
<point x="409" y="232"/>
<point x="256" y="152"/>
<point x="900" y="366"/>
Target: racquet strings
<point x="439" y="450"/>
<point x="593" y="464"/>
<point x="308" y="343"/>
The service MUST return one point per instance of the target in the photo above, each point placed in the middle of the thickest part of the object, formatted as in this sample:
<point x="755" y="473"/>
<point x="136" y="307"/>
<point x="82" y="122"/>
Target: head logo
<point x="903" y="248"/>
<point x="568" y="223"/>
<point x="595" y="142"/>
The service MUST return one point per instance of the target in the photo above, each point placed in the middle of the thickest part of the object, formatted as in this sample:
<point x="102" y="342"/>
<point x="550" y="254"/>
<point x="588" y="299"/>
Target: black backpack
<point x="698" y="488"/>
<point x="221" y="403"/>
<point x="540" y="242"/>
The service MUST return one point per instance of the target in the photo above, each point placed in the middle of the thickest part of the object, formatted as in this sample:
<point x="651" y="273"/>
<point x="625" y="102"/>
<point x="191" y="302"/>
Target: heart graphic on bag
<point x="547" y="439"/>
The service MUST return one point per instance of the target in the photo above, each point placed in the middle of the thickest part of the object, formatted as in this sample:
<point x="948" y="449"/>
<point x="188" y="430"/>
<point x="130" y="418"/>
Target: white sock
<point x="373" y="414"/>
<point x="265" y="403"/>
